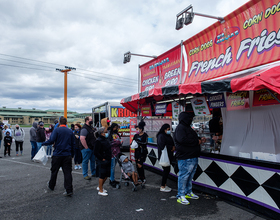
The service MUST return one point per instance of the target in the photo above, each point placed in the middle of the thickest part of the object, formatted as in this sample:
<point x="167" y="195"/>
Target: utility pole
<point x="65" y="71"/>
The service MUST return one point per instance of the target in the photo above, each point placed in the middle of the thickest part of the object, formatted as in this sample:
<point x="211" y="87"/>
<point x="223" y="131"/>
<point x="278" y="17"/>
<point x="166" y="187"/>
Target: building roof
<point x="58" y="110"/>
<point x="20" y="110"/>
<point x="45" y="114"/>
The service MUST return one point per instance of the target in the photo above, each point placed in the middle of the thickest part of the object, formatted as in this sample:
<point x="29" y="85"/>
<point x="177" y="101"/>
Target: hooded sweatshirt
<point x="32" y="131"/>
<point x="185" y="138"/>
<point x="127" y="166"/>
<point x="19" y="134"/>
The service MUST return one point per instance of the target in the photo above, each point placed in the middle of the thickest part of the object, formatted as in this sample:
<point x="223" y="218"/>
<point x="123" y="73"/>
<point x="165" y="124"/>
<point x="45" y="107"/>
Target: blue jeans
<point x="33" y="149"/>
<point x="113" y="165"/>
<point x="0" y="142"/>
<point x="49" y="150"/>
<point x="88" y="155"/>
<point x="39" y="145"/>
<point x="187" y="170"/>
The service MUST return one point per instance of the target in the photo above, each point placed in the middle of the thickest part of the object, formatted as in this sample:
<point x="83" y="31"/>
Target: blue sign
<point x="217" y="100"/>
<point x="160" y="109"/>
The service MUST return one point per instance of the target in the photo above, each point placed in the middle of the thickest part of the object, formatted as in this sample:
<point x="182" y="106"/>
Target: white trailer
<point x="116" y="114"/>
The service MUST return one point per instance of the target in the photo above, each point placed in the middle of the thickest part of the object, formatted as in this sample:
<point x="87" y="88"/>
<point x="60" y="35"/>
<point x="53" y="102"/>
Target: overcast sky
<point x="91" y="36"/>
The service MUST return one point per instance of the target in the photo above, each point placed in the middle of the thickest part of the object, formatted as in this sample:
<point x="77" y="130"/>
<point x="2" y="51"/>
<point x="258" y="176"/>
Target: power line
<point x="71" y="73"/>
<point x="64" y="65"/>
<point x="26" y="63"/>
<point x="24" y="67"/>
<point x="35" y="68"/>
<point x="127" y="85"/>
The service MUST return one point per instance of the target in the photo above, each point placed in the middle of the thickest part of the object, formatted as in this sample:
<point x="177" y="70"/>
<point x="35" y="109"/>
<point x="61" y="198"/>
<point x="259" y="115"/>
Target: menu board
<point x="216" y="101"/>
<point x="263" y="97"/>
<point x="237" y="101"/>
<point x="146" y="110"/>
<point x="200" y="106"/>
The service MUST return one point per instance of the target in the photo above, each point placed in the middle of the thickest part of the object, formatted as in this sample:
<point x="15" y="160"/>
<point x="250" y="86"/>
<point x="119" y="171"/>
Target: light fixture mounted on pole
<point x="127" y="56"/>
<point x="65" y="71"/>
<point x="186" y="16"/>
<point x="126" y="59"/>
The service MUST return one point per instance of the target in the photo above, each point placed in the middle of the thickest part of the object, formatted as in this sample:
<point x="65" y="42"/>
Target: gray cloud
<point x="91" y="35"/>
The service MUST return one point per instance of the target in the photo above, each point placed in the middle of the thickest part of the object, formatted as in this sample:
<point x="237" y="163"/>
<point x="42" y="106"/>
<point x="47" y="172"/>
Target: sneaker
<point x="103" y="193"/>
<point x="165" y="189"/>
<point x="76" y="167"/>
<point x="87" y="178"/>
<point x="144" y="181"/>
<point x="191" y="196"/>
<point x="68" y="193"/>
<point x="183" y="200"/>
<point x="49" y="186"/>
<point x="79" y="167"/>
<point x="104" y="190"/>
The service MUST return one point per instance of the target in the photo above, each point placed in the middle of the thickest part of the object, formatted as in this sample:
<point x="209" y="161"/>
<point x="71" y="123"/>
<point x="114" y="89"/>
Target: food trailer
<point x="235" y="67"/>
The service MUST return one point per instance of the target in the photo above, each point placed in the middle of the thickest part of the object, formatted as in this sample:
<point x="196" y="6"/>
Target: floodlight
<point x="179" y="23"/>
<point x="127" y="57"/>
<point x="189" y="18"/>
<point x="186" y="17"/>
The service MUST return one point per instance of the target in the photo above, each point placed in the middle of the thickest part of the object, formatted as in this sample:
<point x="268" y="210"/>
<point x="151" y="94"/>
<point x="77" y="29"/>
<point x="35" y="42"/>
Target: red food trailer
<point x="237" y="60"/>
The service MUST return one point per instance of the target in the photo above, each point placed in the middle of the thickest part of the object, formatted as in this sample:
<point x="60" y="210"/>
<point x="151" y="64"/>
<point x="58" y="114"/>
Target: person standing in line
<point x="87" y="142"/>
<point x="103" y="154"/>
<point x="7" y="144"/>
<point x="6" y="128"/>
<point x="48" y="134"/>
<point x="19" y="135"/>
<point x="115" y="141"/>
<point x="77" y="152"/>
<point x="56" y="124"/>
<point x="164" y="139"/>
<point x="105" y="122"/>
<point x="1" y="134"/>
<point x="141" y="151"/>
<point x="32" y="133"/>
<point x="187" y="145"/>
<point x="64" y="142"/>
<point x="72" y="127"/>
<point x="40" y="135"/>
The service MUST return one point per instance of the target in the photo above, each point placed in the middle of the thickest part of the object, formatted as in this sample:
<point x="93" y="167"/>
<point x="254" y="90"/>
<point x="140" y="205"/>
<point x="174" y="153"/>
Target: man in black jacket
<point x="40" y="135"/>
<point x="187" y="145"/>
<point x="87" y="147"/>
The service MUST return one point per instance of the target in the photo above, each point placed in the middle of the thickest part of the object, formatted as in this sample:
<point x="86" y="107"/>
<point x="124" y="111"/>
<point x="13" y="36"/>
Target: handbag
<point x="164" y="159"/>
<point x="134" y="145"/>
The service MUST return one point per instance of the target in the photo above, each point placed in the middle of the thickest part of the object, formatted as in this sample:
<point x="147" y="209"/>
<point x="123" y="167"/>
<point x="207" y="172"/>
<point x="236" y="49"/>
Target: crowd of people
<point x="101" y="149"/>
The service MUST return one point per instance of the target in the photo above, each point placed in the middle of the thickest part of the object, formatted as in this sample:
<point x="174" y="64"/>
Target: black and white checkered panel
<point x="255" y="184"/>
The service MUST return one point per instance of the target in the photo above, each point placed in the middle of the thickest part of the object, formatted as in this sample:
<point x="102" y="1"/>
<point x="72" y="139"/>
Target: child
<point x="129" y="169"/>
<point x="7" y="143"/>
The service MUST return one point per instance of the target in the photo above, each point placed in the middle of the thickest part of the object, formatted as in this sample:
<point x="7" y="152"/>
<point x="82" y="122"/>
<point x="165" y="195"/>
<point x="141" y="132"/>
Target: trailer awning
<point x="264" y="77"/>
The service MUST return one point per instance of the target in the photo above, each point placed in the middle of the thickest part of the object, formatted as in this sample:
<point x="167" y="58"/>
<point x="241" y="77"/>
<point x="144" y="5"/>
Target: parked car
<point x="195" y="126"/>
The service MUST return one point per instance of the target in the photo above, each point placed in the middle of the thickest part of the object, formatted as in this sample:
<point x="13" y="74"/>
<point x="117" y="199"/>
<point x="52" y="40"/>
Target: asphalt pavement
<point x="24" y="195"/>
